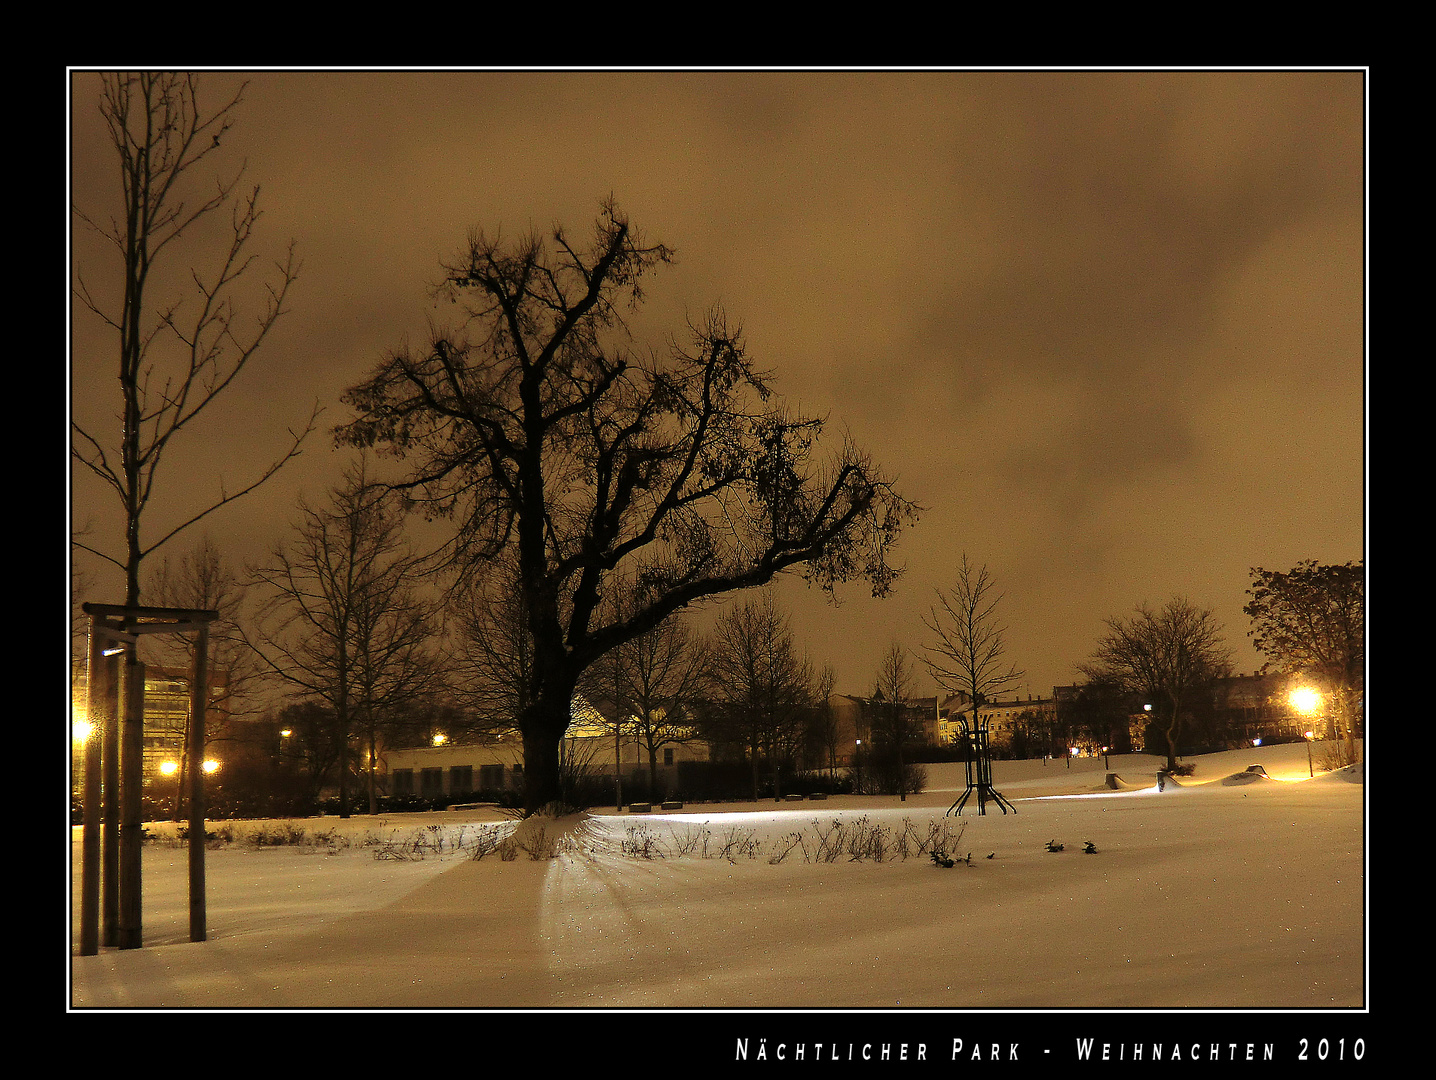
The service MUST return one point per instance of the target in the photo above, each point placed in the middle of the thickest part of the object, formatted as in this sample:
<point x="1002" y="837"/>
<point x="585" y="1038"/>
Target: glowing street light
<point x="1305" y="700"/>
<point x="210" y="766"/>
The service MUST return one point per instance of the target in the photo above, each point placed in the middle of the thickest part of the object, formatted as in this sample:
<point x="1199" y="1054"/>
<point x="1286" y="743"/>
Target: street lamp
<point x="1310" y="770"/>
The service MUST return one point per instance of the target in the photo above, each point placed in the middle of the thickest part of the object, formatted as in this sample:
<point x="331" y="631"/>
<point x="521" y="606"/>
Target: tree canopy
<point x="1311" y="621"/>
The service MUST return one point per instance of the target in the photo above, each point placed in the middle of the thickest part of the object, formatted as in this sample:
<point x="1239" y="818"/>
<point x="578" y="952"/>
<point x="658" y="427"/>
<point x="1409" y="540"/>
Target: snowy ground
<point x="1213" y="894"/>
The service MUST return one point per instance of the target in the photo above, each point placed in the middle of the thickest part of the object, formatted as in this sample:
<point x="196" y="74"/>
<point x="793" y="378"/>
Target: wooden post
<point x="110" y="832"/>
<point x="120" y="768"/>
<point x="199" y="694"/>
<point x="97" y="707"/>
<point x="132" y="778"/>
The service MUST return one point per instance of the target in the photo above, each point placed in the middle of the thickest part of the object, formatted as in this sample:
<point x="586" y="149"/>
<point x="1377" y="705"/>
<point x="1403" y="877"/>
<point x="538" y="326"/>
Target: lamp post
<point x="1310" y="769"/>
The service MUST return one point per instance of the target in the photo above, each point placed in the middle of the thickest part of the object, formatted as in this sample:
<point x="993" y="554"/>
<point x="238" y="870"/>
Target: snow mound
<point x="1350" y="774"/>
<point x="1252" y="774"/>
<point x="1116" y="783"/>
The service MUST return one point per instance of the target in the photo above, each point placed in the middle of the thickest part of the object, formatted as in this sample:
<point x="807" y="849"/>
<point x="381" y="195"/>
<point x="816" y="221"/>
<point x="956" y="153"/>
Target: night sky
<point x="1106" y="326"/>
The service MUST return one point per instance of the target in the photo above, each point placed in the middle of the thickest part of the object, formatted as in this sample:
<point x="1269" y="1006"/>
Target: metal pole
<point x="199" y="693"/>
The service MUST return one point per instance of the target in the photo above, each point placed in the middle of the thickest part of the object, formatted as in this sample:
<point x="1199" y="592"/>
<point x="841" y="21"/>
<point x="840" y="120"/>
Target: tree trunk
<point x="543" y="725"/>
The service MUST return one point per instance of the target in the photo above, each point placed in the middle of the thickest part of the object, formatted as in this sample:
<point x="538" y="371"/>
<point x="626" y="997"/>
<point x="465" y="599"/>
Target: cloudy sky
<point x="1106" y="326"/>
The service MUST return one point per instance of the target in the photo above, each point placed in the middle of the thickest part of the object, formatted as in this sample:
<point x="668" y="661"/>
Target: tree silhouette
<point x="968" y="656"/>
<point x="1311" y="620"/>
<point x="340" y="620"/>
<point x="1167" y="656"/>
<point x="539" y="431"/>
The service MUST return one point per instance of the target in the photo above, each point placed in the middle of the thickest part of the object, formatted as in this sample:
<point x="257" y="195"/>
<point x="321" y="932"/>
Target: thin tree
<point x="177" y="354"/>
<point x="539" y="430"/>
<point x="824" y="731"/>
<point x="338" y="620"/>
<point x="763" y="687"/>
<point x="399" y="664"/>
<point x="893" y="728"/>
<point x="1168" y="657"/>
<point x="200" y="579"/>
<point x="968" y="657"/>
<point x="666" y="672"/>
<point x="1311" y="621"/>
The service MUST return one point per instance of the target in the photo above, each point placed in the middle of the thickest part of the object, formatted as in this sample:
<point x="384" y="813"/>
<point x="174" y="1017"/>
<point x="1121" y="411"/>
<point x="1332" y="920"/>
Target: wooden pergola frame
<point x="114" y="774"/>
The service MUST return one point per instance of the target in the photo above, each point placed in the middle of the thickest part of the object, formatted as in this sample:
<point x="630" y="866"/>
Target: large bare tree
<point x="176" y="352"/>
<point x="1168" y="656"/>
<point x="537" y="427"/>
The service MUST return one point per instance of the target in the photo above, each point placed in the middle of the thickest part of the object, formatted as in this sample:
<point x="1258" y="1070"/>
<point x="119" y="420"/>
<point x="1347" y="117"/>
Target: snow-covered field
<point x="1214" y="894"/>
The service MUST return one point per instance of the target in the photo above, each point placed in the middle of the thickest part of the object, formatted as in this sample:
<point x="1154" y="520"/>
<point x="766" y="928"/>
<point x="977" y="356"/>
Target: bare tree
<point x="398" y="662"/>
<point x="175" y="355"/>
<point x="538" y="429"/>
<point x="200" y="579"/>
<point x="339" y="619"/>
<point x="666" y="671"/>
<point x="1168" y="657"/>
<point x="968" y="657"/>
<point x="763" y="687"/>
<point x="824" y="730"/>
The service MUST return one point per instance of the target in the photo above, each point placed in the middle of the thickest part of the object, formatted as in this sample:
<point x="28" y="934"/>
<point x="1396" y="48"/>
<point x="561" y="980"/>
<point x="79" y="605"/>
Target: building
<point x="489" y="766"/>
<point x="1014" y="724"/>
<point x="166" y="713"/>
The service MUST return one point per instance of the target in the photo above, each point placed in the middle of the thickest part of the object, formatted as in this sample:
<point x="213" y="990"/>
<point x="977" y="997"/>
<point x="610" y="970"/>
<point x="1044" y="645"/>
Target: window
<point x="431" y="783"/>
<point x="461" y="778"/>
<point x="668" y="756"/>
<point x="403" y="781"/>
